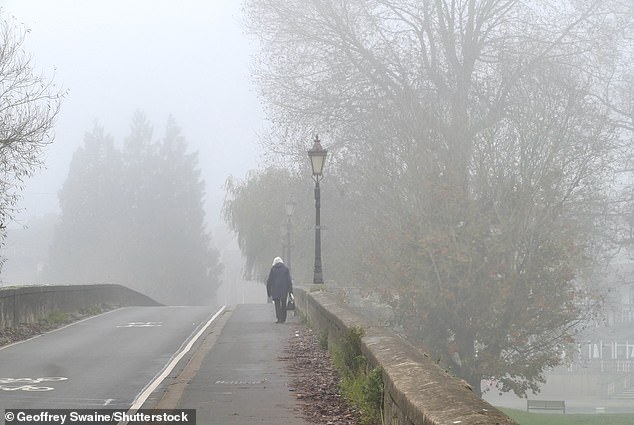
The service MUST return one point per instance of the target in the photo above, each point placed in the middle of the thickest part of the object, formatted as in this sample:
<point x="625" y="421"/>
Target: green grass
<point x="93" y="310"/>
<point x="57" y="318"/>
<point x="525" y="418"/>
<point x="360" y="385"/>
<point x="323" y="340"/>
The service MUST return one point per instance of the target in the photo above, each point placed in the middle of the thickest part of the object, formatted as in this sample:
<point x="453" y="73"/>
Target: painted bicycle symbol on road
<point x="27" y="384"/>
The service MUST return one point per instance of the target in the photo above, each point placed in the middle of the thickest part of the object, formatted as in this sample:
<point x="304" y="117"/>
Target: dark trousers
<point x="280" y="308"/>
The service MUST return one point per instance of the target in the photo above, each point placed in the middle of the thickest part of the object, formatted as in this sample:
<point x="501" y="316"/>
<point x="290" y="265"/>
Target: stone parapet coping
<point x="417" y="390"/>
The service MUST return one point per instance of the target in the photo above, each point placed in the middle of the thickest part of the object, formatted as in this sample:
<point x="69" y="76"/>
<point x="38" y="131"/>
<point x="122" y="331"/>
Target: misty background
<point x="478" y="193"/>
<point x="189" y="60"/>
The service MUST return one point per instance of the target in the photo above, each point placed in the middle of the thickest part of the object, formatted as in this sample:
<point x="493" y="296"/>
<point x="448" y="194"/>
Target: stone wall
<point x="29" y="304"/>
<point x="417" y="391"/>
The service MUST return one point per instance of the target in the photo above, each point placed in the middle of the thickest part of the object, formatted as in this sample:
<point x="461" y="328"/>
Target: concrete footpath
<point x="235" y="376"/>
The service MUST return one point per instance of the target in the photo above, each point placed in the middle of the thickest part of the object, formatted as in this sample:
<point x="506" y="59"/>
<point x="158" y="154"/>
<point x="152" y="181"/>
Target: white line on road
<point x="141" y="398"/>
<point x="60" y="328"/>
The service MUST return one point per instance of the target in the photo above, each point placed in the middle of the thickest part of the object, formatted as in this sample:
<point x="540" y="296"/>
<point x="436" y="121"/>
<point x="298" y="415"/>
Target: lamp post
<point x="290" y="209"/>
<point x="317" y="156"/>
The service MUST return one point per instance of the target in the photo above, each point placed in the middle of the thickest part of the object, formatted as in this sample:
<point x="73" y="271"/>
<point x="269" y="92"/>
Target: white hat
<point x="277" y="260"/>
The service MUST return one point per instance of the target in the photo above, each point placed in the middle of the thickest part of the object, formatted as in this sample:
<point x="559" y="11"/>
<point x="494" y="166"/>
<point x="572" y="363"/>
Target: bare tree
<point x="473" y="139"/>
<point x="29" y="103"/>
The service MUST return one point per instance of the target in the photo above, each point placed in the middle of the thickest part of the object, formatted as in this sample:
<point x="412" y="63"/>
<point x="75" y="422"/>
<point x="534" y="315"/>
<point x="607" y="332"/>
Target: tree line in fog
<point x="473" y="150"/>
<point x="134" y="215"/>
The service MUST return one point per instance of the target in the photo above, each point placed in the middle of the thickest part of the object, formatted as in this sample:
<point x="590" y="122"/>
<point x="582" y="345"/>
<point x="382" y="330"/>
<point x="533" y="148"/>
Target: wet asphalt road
<point x="102" y="362"/>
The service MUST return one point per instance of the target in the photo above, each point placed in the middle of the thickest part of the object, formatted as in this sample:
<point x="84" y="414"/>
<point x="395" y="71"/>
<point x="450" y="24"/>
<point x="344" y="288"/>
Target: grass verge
<point x="525" y="418"/>
<point x="361" y="385"/>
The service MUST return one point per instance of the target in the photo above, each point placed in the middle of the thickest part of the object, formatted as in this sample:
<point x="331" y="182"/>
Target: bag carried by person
<point x="291" y="302"/>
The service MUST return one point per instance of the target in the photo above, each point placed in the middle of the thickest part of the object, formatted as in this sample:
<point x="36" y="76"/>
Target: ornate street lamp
<point x="317" y="156"/>
<point x="290" y="209"/>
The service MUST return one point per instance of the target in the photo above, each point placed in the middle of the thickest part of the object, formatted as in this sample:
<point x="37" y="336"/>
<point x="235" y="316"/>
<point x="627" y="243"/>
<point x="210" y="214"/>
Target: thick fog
<point x="190" y="60"/>
<point x="478" y="190"/>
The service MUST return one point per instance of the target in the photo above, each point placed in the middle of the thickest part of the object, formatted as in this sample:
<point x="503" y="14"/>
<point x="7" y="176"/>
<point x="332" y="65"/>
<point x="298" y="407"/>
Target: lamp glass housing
<point x="317" y="156"/>
<point x="290" y="208"/>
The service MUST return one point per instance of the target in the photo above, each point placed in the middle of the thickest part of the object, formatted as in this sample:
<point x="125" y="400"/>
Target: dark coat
<point x="279" y="282"/>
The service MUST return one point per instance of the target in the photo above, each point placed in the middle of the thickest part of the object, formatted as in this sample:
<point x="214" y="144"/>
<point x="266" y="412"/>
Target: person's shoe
<point x="278" y="322"/>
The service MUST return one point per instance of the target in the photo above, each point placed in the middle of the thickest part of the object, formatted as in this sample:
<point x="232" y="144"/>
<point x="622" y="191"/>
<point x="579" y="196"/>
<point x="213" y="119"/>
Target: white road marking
<point x="59" y="329"/>
<point x="143" y="396"/>
<point x="25" y="384"/>
<point x="141" y="325"/>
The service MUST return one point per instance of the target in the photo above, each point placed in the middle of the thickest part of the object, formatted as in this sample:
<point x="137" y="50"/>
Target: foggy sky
<point x="187" y="58"/>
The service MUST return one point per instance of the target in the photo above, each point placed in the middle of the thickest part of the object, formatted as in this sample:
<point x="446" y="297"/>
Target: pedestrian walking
<point x="278" y="286"/>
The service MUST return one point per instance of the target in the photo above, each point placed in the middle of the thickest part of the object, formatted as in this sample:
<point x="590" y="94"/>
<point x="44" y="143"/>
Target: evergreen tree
<point x="136" y="217"/>
<point x="179" y="255"/>
<point x="85" y="245"/>
<point x="140" y="159"/>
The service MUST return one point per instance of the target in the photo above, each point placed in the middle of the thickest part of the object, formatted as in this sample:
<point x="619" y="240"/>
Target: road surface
<point x="105" y="361"/>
